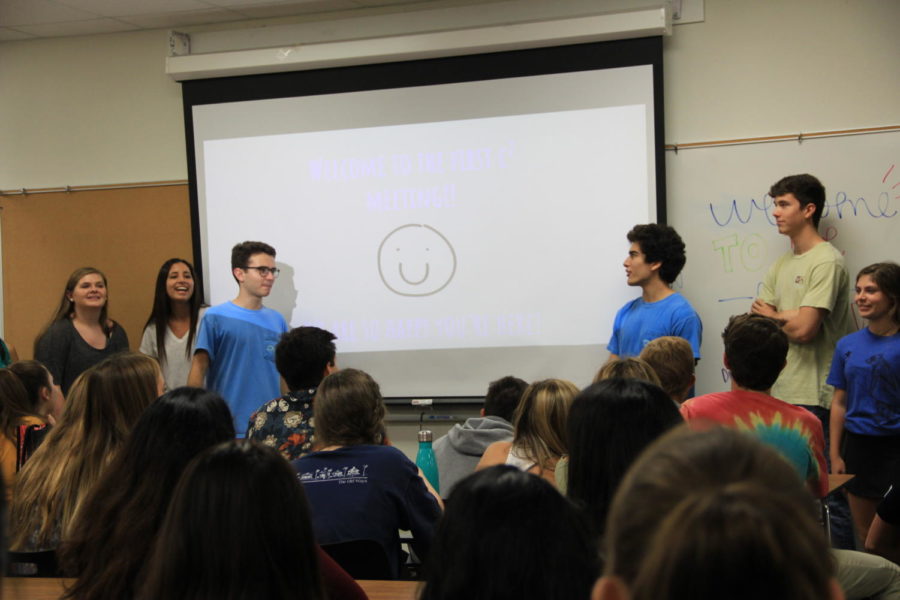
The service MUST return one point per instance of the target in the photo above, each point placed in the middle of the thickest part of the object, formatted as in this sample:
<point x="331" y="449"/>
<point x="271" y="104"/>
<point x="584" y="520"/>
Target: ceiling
<point x="30" y="19"/>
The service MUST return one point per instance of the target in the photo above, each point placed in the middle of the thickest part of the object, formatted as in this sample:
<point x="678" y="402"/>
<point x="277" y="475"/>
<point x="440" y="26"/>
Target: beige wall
<point x="100" y="109"/>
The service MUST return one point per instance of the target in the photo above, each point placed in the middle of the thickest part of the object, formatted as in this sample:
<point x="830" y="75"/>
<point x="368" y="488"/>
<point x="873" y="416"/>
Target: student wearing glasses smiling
<point x="235" y="349"/>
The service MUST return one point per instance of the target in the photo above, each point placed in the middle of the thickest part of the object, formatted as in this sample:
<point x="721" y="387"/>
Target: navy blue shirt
<point x="368" y="493"/>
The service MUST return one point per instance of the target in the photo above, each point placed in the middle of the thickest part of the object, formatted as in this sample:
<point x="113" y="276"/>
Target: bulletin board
<point x="127" y="232"/>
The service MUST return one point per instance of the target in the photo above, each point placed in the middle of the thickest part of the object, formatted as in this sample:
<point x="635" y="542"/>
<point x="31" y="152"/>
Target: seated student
<point x="610" y="423"/>
<point x="632" y="367"/>
<point x="672" y="359"/>
<point x="755" y="351"/>
<point x="102" y="406"/>
<point x="237" y="527"/>
<point x="111" y="537"/>
<point x="714" y="515"/>
<point x="539" y="440"/>
<point x="303" y="356"/>
<point x="459" y="451"/>
<point x="16" y="409"/>
<point x="357" y="488"/>
<point x="509" y="535"/>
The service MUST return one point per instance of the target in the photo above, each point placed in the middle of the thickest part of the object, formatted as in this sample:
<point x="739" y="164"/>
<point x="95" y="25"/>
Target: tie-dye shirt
<point x="792" y="430"/>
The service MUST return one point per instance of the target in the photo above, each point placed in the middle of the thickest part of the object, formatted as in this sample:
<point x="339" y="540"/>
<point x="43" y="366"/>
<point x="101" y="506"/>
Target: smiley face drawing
<point x="416" y="260"/>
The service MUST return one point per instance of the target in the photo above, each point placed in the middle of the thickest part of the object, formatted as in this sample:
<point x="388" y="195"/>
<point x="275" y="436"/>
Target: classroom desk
<point x="37" y="588"/>
<point x="837" y="481"/>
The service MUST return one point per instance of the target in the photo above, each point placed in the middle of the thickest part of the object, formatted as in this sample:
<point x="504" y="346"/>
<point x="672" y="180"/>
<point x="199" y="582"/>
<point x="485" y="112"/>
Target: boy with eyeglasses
<point x="235" y="349"/>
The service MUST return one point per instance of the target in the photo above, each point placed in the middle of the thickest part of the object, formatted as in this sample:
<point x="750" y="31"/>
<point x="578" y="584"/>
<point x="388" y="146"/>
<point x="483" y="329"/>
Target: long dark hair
<point x="112" y="535"/>
<point x="508" y="534"/>
<point x="238" y="526"/>
<point x="162" y="309"/>
<point x="610" y="423"/>
<point x="15" y="404"/>
<point x="66" y="308"/>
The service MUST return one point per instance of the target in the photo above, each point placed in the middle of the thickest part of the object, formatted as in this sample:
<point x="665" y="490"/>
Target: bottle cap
<point x="425" y="435"/>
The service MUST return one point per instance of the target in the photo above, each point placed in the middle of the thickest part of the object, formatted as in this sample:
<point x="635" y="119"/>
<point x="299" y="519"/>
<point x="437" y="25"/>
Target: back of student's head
<point x="14" y="403"/>
<point x="303" y="354"/>
<point x="805" y="188"/>
<point x="349" y="409"/>
<point x="660" y="243"/>
<point x="509" y="534"/>
<point x="37" y="381"/>
<point x="632" y="367"/>
<point x="503" y="397"/>
<point x="102" y="407"/>
<point x="237" y="527"/>
<point x="755" y="349"/>
<point x="111" y="536"/>
<point x="610" y="423"/>
<point x="540" y="420"/>
<point x="716" y="514"/>
<point x="672" y="359"/>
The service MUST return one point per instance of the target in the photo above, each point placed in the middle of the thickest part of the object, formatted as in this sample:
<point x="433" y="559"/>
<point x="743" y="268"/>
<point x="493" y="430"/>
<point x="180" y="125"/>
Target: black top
<point x="66" y="355"/>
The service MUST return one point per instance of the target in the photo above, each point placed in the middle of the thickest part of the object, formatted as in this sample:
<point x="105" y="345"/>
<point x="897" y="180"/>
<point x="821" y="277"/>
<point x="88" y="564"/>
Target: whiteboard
<point x="718" y="202"/>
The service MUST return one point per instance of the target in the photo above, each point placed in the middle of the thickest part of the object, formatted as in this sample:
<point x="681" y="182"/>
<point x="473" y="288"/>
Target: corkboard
<point x="126" y="233"/>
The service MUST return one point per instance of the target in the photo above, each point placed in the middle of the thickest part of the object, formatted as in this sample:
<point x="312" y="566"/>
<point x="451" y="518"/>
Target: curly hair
<point x="660" y="243"/>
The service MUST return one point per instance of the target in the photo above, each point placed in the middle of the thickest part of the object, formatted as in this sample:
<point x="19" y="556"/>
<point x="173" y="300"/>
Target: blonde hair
<point x="672" y="358"/>
<point x="627" y="368"/>
<point x="101" y="408"/>
<point x="540" y="421"/>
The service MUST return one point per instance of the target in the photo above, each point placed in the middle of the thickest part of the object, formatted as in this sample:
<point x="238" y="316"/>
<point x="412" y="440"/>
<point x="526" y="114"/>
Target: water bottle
<point x="426" y="460"/>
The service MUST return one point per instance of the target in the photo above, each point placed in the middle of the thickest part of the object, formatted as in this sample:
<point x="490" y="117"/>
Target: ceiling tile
<point x="11" y="35"/>
<point x="124" y="8"/>
<point x="87" y="27"/>
<point x="181" y="19"/>
<point x="32" y="12"/>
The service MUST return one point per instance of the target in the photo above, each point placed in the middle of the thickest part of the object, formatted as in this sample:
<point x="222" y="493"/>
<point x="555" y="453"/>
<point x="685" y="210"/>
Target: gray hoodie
<point x="460" y="450"/>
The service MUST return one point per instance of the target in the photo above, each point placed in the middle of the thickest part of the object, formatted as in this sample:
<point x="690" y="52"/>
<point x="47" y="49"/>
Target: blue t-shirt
<point x="241" y="347"/>
<point x="368" y="492"/>
<point x="639" y="322"/>
<point x="867" y="367"/>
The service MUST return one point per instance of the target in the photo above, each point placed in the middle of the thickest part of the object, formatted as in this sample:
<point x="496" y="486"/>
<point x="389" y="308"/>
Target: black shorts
<point x="874" y="460"/>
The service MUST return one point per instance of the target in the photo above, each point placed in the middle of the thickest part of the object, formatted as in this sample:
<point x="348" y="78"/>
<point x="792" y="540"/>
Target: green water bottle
<point x="426" y="460"/>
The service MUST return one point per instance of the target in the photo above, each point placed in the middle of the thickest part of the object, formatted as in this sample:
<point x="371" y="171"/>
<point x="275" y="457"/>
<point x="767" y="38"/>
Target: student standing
<point x="807" y="290"/>
<point x="80" y="335"/>
<point x="865" y="409"/>
<point x="236" y="345"/>
<point x="655" y="259"/>
<point x="171" y="329"/>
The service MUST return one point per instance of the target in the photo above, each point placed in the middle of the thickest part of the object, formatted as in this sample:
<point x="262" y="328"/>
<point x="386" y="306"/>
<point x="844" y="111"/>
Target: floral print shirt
<point x="286" y="424"/>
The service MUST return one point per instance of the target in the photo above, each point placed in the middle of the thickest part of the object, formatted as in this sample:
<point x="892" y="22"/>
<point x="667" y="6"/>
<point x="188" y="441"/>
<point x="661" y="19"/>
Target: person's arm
<point x="431" y="490"/>
<point x="801" y="325"/>
<point x="199" y="367"/>
<point x="52" y="351"/>
<point x="612" y="357"/>
<point x="495" y="454"/>
<point x="836" y="429"/>
<point x="13" y="355"/>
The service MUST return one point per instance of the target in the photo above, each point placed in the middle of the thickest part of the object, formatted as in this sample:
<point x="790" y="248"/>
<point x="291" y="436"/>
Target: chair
<point x="32" y="564"/>
<point x="362" y="559"/>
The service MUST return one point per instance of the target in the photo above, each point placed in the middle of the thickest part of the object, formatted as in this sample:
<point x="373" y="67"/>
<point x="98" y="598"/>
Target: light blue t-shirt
<point x="639" y="322"/>
<point x="241" y="347"/>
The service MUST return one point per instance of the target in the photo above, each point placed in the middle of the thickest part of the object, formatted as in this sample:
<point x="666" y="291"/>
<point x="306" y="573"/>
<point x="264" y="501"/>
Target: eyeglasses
<point x="265" y="271"/>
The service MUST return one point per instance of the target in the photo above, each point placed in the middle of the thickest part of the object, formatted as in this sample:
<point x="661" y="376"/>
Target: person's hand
<point x="762" y="308"/>
<point x="837" y="465"/>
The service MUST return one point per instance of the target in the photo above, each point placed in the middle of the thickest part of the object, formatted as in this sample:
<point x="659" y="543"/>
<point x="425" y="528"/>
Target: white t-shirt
<point x="178" y="364"/>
